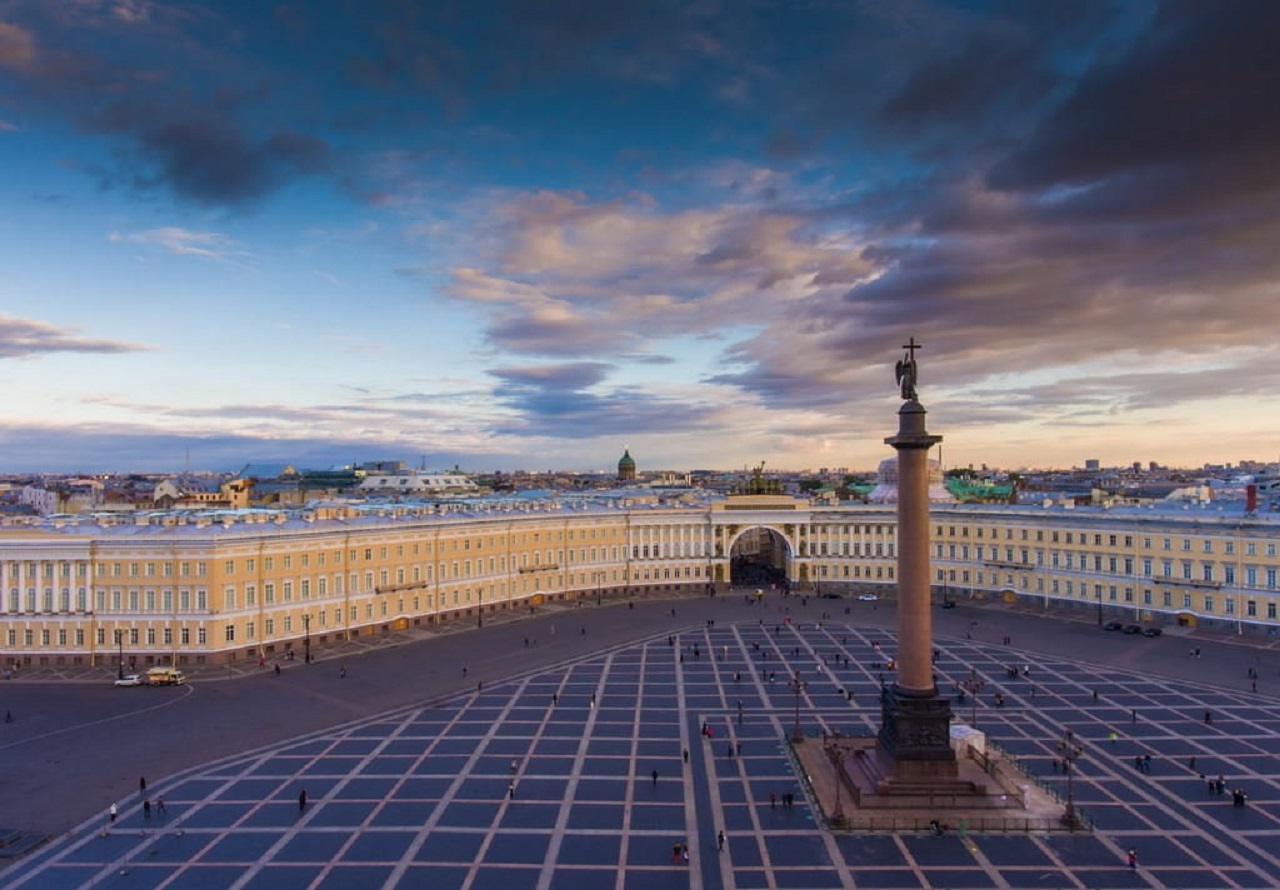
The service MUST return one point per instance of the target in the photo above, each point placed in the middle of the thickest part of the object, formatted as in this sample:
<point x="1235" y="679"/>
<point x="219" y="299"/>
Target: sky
<point x="530" y="234"/>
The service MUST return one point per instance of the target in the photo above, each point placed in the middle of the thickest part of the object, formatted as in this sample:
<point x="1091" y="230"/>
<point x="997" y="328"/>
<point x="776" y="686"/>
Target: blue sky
<point x="530" y="234"/>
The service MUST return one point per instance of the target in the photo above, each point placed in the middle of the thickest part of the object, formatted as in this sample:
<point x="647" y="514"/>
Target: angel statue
<point x="906" y="376"/>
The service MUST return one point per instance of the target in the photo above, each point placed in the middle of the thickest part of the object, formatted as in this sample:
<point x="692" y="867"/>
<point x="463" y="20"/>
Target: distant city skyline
<point x="516" y="235"/>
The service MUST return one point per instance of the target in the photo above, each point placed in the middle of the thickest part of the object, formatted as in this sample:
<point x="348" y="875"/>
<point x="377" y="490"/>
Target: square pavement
<point x="505" y="789"/>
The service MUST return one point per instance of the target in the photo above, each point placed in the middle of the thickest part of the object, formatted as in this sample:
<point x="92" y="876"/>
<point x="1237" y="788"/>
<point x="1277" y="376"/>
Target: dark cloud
<point x="553" y="401"/>
<point x="216" y="162"/>
<point x="23" y="338"/>
<point x="1200" y="87"/>
<point x="100" y="449"/>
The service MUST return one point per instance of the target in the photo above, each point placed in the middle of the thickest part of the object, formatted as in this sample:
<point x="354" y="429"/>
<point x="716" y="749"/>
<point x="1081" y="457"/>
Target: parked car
<point x="1133" y="628"/>
<point x="128" y="680"/>
<point x="948" y="604"/>
<point x="1113" y="625"/>
<point x="1152" y="632"/>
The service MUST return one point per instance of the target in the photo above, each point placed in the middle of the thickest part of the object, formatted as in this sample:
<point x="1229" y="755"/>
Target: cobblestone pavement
<point x="547" y="780"/>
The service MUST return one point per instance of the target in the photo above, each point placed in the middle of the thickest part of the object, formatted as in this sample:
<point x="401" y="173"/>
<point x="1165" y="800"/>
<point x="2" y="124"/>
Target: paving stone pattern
<point x="546" y="781"/>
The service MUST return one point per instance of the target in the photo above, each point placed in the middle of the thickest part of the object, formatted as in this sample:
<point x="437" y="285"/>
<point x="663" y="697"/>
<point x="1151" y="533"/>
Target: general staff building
<point x="210" y="587"/>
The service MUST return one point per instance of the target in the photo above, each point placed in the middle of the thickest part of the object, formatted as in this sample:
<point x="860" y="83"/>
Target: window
<point x="229" y="633"/>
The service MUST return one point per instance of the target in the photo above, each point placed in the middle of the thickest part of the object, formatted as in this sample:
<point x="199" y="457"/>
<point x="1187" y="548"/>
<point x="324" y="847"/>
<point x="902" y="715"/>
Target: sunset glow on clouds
<point x="517" y="234"/>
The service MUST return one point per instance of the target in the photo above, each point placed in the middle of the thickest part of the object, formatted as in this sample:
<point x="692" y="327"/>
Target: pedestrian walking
<point x="277" y="668"/>
<point x="8" y="716"/>
<point x="342" y="672"/>
<point x="720" y="840"/>
<point x="675" y="853"/>
<point x="1112" y="737"/>
<point x="1131" y="858"/>
<point x="302" y="800"/>
<point x="773" y="800"/>
<point x="1208" y="718"/>
<point x="511" y="791"/>
<point x="113" y="812"/>
<point x="655" y="778"/>
<point x="142" y="785"/>
<point x="1133" y="715"/>
<point x="1192" y="763"/>
<point x="160" y="807"/>
<point x="146" y="808"/>
<point x="686" y="755"/>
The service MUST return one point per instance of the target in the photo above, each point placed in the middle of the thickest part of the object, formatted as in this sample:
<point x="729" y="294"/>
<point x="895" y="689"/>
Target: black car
<point x="1113" y="625"/>
<point x="1152" y="632"/>
<point x="1133" y="628"/>
<point x="948" y="604"/>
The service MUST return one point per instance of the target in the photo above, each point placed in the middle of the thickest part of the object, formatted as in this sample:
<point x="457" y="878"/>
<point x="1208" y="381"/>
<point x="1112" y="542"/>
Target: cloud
<point x="17" y="47"/>
<point x="183" y="242"/>
<point x="557" y="401"/>
<point x="24" y="338"/>
<point x="213" y="161"/>
<point x="570" y="277"/>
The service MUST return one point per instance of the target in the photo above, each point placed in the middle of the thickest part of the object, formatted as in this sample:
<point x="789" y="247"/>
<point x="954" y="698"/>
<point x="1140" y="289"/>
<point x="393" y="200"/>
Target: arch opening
<point x="760" y="556"/>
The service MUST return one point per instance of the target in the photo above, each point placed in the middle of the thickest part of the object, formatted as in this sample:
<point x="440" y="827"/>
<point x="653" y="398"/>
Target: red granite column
<point x="915" y="621"/>
<point x="915" y="730"/>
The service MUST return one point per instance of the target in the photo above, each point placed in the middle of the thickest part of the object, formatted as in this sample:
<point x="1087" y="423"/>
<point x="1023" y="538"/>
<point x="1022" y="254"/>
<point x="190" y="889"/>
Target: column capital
<point x="911" y="432"/>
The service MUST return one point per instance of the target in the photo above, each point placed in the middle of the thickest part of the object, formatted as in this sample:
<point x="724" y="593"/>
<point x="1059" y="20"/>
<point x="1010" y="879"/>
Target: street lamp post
<point x="1099" y="592"/>
<point x="120" y="652"/>
<point x="797" y="686"/>
<point x="1070" y="749"/>
<point x="306" y="639"/>
<point x="973" y="685"/>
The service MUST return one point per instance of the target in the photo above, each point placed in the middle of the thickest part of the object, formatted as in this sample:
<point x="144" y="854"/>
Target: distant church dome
<point x="886" y="490"/>
<point x="626" y="466"/>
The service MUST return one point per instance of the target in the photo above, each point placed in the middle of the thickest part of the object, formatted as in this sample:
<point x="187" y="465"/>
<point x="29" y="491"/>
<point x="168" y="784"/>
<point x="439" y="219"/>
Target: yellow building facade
<point x="209" y="588"/>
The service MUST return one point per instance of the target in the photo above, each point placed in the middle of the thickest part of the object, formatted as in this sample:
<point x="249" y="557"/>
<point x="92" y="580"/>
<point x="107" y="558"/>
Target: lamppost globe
<point x="1070" y="749"/>
<point x="973" y="685"/>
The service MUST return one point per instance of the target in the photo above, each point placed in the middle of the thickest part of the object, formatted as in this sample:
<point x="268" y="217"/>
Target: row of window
<point x="1251" y="548"/>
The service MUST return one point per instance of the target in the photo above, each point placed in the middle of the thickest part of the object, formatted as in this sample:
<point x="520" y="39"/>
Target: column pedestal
<point x="915" y="735"/>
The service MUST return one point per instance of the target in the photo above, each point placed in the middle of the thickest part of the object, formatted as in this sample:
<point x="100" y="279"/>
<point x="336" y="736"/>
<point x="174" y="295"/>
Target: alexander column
<point x="915" y="731"/>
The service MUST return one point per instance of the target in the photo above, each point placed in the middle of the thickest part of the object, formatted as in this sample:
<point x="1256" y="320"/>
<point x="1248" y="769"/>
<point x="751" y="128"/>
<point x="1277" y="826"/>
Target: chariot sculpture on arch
<point x="905" y="371"/>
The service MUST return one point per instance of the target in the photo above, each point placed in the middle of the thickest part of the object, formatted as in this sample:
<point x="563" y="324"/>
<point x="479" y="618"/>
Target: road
<point x="73" y="748"/>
